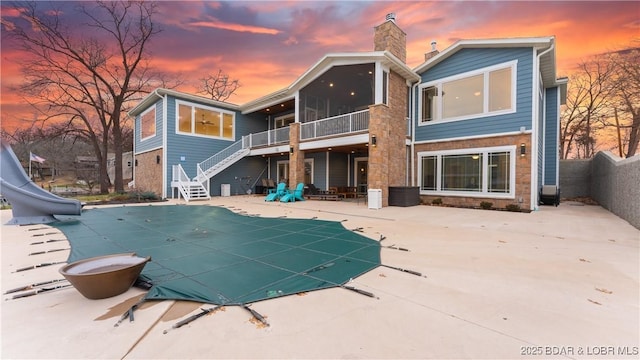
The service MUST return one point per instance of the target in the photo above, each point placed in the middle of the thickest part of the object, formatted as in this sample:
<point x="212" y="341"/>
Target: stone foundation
<point x="148" y="173"/>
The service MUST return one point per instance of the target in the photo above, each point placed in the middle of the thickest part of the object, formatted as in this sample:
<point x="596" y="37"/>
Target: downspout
<point x="164" y="144"/>
<point x="412" y="116"/>
<point x="534" y="139"/>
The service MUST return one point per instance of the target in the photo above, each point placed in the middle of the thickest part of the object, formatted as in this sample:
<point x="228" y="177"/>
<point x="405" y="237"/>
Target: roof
<point x="159" y="93"/>
<point x="328" y="61"/>
<point x="544" y="46"/>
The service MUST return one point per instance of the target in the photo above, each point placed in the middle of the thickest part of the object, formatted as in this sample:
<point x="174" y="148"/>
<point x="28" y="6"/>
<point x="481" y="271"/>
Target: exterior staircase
<point x="198" y="187"/>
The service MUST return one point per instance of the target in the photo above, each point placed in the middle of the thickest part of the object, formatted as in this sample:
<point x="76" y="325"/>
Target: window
<point x="308" y="171"/>
<point x="499" y="172"/>
<point x="461" y="172"/>
<point x="284" y="120"/>
<point x="148" y="123"/>
<point x="429" y="103"/>
<point x="385" y="87"/>
<point x="282" y="169"/>
<point x="500" y="90"/>
<point x="488" y="172"/>
<point x="485" y="92"/>
<point x="204" y="121"/>
<point x="462" y="97"/>
<point x="429" y="173"/>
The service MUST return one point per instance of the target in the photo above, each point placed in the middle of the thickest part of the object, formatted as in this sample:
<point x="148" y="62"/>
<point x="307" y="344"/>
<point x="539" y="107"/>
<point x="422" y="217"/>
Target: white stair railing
<point x="180" y="180"/>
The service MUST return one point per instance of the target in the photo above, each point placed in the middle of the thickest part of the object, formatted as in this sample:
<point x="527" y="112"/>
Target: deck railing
<point x="266" y="138"/>
<point x="335" y="125"/>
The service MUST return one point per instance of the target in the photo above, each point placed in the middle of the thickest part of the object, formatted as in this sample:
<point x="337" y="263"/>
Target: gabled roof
<point x="544" y="45"/>
<point x="159" y="93"/>
<point x="324" y="64"/>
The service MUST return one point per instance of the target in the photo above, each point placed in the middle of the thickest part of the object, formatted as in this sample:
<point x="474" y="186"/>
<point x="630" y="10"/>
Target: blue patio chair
<point x="296" y="195"/>
<point x="277" y="193"/>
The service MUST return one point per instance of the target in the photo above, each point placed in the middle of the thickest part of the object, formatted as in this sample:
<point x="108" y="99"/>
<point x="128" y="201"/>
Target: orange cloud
<point x="214" y="23"/>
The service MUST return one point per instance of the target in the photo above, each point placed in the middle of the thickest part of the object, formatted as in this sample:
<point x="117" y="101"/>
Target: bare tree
<point x="626" y="99"/>
<point x="88" y="73"/>
<point x="587" y="103"/>
<point x="218" y="87"/>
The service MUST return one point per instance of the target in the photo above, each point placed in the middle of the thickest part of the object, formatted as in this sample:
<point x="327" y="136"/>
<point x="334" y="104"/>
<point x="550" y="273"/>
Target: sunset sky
<point x="268" y="44"/>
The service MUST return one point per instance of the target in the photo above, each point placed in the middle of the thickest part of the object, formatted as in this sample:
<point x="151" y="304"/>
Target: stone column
<point x="378" y="174"/>
<point x="388" y="158"/>
<point x="296" y="157"/>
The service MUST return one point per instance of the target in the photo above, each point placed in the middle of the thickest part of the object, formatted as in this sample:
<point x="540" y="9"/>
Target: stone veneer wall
<point x="296" y="160"/>
<point x="523" y="170"/>
<point x="148" y="173"/>
<point x="387" y="160"/>
<point x="388" y="36"/>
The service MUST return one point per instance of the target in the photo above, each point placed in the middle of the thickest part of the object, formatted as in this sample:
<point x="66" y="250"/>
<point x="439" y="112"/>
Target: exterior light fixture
<point x="291" y="149"/>
<point x="523" y="149"/>
<point x="374" y="140"/>
<point x="157" y="159"/>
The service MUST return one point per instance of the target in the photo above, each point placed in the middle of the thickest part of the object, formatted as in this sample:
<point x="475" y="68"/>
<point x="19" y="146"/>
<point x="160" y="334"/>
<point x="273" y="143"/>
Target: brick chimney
<point x="388" y="36"/>
<point x="433" y="51"/>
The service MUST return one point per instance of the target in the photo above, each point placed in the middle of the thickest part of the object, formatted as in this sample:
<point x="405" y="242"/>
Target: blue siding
<point x="152" y="142"/>
<point x="540" y="135"/>
<point x="319" y="169"/>
<point x="551" y="144"/>
<point x="337" y="169"/>
<point x="195" y="149"/>
<point x="473" y="59"/>
<point x="241" y="176"/>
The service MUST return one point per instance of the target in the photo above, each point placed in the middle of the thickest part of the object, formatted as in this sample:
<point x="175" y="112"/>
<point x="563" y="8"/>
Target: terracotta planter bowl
<point x="104" y="276"/>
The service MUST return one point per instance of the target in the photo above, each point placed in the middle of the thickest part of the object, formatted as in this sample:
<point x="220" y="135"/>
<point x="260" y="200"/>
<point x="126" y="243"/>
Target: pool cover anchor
<point x="360" y="291"/>
<point x="33" y="286"/>
<point x="404" y="270"/>
<point x="191" y="318"/>
<point x="39" y="291"/>
<point x="39" y="266"/>
<point x="129" y="313"/>
<point x="255" y="314"/>
<point x="394" y="247"/>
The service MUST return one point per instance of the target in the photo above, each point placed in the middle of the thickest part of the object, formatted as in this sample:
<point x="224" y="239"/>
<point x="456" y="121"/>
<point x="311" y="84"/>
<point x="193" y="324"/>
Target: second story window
<point x="204" y="121"/>
<point x="148" y="123"/>
<point x="480" y="93"/>
<point x="428" y="103"/>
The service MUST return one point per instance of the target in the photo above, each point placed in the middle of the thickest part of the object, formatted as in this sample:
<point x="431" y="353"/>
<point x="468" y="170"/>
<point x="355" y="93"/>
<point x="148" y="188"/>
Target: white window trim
<point x="193" y="127"/>
<point x="484" y="193"/>
<point x="155" y="119"/>
<point x="486" y="113"/>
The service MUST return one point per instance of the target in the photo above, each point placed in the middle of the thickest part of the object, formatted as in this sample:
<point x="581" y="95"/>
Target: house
<point x="476" y="122"/>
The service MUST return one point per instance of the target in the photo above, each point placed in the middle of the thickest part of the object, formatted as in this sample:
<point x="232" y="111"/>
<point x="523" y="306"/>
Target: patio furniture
<point x="292" y="196"/>
<point x="277" y="193"/>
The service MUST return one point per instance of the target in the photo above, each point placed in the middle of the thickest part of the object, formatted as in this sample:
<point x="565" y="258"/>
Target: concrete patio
<point x="556" y="283"/>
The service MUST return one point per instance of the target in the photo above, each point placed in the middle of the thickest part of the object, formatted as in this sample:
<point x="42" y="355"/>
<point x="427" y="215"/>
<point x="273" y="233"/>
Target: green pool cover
<point x="213" y="255"/>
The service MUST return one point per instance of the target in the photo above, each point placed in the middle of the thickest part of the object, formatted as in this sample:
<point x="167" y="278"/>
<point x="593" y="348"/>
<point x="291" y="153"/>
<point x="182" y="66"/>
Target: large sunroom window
<point x="340" y="90"/>
<point x="480" y="172"/>
<point x="204" y="121"/>
<point x="485" y="92"/>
